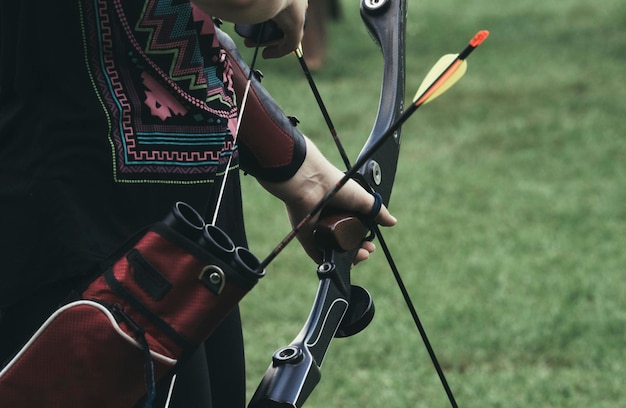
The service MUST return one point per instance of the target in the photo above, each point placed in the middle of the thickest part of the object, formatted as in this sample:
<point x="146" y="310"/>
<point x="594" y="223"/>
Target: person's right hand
<point x="289" y="15"/>
<point x="291" y="21"/>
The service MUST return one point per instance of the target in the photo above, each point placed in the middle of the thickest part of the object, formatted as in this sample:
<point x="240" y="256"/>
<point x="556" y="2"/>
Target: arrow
<point x="446" y="72"/>
<point x="329" y="123"/>
<point x="434" y="73"/>
<point x="443" y="80"/>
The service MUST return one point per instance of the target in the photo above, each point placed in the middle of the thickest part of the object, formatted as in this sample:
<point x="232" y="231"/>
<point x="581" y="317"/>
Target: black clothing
<point x="110" y="112"/>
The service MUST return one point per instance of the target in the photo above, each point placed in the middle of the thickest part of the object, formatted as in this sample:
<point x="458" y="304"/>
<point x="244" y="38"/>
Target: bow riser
<point x="295" y="369"/>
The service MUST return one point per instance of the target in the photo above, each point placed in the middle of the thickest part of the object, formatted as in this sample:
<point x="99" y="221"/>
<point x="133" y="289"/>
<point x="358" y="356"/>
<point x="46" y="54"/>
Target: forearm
<point x="270" y="146"/>
<point x="313" y="179"/>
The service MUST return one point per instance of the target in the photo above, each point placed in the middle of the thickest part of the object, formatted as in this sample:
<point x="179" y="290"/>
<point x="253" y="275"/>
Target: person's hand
<point x="309" y="185"/>
<point x="353" y="199"/>
<point x="291" y="22"/>
<point x="288" y="15"/>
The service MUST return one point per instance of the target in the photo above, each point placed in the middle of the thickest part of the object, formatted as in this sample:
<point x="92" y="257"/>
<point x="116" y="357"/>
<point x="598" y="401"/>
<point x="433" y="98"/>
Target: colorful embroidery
<point x="166" y="88"/>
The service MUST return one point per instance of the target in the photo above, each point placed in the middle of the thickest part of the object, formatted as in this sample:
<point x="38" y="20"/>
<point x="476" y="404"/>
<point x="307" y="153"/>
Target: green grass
<point x="511" y="199"/>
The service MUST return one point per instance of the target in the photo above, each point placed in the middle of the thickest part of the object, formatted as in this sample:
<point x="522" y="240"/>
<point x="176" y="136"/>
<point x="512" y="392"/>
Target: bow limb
<point x="341" y="309"/>
<point x="389" y="33"/>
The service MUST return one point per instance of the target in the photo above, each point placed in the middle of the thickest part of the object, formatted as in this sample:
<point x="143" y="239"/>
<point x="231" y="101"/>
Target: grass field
<point x="511" y="200"/>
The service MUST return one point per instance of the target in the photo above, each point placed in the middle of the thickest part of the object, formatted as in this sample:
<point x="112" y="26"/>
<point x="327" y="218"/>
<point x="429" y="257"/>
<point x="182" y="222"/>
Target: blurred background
<point x="511" y="200"/>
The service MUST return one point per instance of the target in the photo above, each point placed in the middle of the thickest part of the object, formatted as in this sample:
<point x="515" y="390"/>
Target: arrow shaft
<point x="329" y="123"/>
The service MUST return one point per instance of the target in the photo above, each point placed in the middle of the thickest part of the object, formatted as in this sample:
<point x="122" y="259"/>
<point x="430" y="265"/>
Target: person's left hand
<point x="353" y="199"/>
<point x="309" y="185"/>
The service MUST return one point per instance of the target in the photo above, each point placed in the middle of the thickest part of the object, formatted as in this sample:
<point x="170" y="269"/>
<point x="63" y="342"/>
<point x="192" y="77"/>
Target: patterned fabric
<point x="165" y="87"/>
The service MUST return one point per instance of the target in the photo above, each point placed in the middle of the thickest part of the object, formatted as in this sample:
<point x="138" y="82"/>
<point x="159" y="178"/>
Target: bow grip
<point x="339" y="231"/>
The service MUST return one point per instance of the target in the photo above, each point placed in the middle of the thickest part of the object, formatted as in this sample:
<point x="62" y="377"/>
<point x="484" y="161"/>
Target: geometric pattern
<point x="165" y="88"/>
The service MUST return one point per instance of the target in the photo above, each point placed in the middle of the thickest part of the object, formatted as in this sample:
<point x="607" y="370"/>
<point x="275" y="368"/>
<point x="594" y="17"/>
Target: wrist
<point x="311" y="181"/>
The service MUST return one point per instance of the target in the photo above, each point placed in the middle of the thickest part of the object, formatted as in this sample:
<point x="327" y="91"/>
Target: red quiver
<point x="153" y="307"/>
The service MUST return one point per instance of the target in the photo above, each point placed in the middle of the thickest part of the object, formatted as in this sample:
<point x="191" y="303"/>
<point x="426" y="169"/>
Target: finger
<point x="250" y="43"/>
<point x="379" y="212"/>
<point x="368" y="246"/>
<point x="280" y="49"/>
<point x="291" y="23"/>
<point x="385" y="218"/>
<point x="361" y="255"/>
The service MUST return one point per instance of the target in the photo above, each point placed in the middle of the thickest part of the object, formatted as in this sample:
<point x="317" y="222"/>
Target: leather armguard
<point x="270" y="146"/>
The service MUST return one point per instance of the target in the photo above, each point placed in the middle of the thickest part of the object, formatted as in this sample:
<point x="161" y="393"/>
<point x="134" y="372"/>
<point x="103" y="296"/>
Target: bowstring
<point x="320" y="103"/>
<point x="383" y="244"/>
<point x="242" y="107"/>
<point x="226" y="171"/>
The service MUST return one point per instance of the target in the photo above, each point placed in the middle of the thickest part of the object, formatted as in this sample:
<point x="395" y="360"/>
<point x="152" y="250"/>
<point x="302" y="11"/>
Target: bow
<point x="341" y="309"/>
